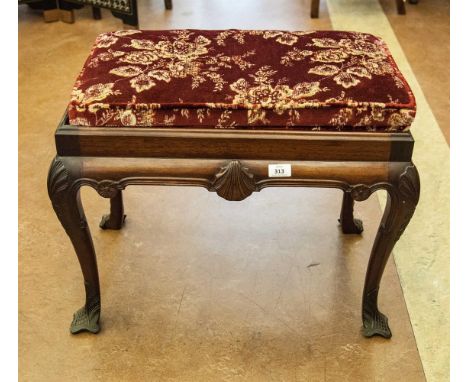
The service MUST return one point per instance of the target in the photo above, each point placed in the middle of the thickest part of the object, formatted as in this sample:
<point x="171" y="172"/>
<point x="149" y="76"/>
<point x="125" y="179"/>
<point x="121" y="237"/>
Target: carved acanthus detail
<point x="234" y="182"/>
<point x="58" y="179"/>
<point x="408" y="187"/>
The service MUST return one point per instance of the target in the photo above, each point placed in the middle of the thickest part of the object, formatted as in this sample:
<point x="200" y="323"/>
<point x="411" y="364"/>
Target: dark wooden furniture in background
<point x="234" y="164"/>
<point x="48" y="7"/>
<point x="126" y="10"/>
<point x="401" y="8"/>
<point x="314" y="9"/>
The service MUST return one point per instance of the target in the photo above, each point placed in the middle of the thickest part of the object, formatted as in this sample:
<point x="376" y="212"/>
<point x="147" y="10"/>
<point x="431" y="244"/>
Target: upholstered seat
<point x="317" y="80"/>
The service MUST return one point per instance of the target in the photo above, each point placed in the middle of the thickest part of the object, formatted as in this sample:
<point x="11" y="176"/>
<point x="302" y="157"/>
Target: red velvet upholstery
<point x="318" y="80"/>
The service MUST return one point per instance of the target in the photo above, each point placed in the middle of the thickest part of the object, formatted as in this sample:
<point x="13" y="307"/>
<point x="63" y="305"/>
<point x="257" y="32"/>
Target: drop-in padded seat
<point x="246" y="79"/>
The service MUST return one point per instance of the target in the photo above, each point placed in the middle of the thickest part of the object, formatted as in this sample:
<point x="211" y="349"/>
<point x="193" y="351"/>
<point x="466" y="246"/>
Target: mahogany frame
<point x="234" y="164"/>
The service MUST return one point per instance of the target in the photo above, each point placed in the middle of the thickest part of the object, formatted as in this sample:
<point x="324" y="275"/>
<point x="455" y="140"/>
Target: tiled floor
<point x="196" y="288"/>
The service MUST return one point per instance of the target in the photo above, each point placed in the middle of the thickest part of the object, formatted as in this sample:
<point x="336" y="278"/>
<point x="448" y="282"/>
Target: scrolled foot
<point x="107" y="222"/>
<point x="376" y="324"/>
<point x="86" y="320"/>
<point x="354" y="226"/>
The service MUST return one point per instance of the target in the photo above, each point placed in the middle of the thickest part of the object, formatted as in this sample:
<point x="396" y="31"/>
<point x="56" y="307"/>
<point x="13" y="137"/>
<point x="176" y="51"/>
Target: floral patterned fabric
<point x="317" y="80"/>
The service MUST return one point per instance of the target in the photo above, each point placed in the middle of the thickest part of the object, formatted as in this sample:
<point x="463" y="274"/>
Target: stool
<point x="236" y="111"/>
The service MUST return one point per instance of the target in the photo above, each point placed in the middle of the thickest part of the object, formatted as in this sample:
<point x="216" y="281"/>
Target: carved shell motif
<point x="234" y="182"/>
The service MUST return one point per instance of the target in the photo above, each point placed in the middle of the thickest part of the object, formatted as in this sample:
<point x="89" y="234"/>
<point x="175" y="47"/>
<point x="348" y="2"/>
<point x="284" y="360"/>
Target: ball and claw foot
<point x="376" y="324"/>
<point x="108" y="223"/>
<point x="86" y="320"/>
<point x="354" y="227"/>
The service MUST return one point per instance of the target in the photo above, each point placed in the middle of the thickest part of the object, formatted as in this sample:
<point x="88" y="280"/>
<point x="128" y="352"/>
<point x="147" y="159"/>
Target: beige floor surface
<point x="422" y="255"/>
<point x="194" y="288"/>
<point x="424" y="35"/>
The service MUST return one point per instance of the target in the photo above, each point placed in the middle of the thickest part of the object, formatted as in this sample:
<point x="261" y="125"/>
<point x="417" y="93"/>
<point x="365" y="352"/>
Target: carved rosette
<point x="108" y="188"/>
<point x="360" y="192"/>
<point x="234" y="182"/>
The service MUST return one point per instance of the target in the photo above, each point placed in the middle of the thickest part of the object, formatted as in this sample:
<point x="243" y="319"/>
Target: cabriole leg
<point x="401" y="203"/>
<point x="65" y="197"/>
<point x="116" y="218"/>
<point x="349" y="224"/>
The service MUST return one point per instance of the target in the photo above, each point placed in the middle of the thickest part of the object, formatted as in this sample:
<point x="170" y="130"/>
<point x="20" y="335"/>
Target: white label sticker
<point x="279" y="170"/>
